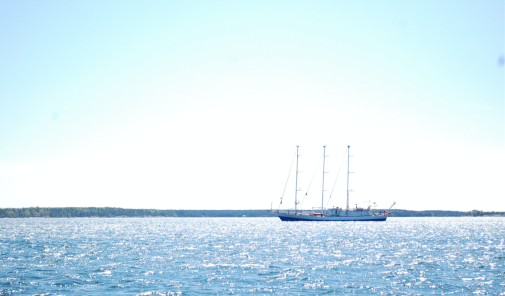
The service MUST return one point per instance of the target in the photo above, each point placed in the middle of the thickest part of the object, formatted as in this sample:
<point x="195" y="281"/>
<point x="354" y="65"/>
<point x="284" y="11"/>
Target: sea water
<point x="251" y="256"/>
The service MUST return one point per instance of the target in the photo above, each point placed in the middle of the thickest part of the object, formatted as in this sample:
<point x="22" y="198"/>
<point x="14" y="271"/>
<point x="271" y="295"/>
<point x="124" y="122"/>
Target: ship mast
<point x="347" y="207"/>
<point x="322" y="197"/>
<point x="296" y="181"/>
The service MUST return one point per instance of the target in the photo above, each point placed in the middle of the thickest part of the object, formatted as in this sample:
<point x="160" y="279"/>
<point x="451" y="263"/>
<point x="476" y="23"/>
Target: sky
<point x="201" y="104"/>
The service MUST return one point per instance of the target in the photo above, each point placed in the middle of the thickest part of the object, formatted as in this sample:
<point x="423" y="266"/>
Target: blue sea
<point x="251" y="256"/>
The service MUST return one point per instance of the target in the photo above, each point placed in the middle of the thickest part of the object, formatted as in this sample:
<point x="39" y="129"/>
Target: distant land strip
<point x="107" y="212"/>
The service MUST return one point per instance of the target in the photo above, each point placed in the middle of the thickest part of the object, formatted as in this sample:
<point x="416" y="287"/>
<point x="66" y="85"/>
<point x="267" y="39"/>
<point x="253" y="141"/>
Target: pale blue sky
<point x="200" y="104"/>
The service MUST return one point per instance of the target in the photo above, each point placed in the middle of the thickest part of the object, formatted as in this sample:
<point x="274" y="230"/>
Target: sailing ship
<point x="333" y="214"/>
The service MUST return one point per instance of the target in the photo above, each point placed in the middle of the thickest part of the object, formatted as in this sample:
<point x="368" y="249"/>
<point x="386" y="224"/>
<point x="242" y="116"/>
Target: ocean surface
<point x="251" y="256"/>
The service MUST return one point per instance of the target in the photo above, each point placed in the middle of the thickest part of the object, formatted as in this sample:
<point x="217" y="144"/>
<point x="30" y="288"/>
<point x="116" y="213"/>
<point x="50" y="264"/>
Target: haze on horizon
<point x="201" y="104"/>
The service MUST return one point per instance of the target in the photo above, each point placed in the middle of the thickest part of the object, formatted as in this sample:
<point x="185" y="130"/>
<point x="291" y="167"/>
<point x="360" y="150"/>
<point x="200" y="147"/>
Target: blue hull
<point x="286" y="217"/>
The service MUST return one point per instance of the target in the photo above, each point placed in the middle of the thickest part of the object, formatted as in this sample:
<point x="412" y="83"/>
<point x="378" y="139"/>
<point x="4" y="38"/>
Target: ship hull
<point x="288" y="217"/>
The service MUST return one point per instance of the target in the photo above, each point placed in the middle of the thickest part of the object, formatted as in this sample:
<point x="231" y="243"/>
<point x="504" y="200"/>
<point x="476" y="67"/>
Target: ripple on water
<point x="176" y="256"/>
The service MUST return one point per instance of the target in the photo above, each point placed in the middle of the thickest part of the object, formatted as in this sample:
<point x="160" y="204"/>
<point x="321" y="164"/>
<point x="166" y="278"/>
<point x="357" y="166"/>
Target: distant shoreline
<point x="109" y="212"/>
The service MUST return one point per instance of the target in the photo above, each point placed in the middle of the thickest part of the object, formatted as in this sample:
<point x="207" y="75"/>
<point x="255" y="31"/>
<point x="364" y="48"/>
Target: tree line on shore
<point x="83" y="212"/>
<point x="78" y="212"/>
